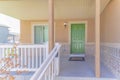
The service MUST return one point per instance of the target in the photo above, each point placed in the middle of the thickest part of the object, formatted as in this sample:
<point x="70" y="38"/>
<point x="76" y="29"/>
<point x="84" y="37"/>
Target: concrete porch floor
<point x="81" y="68"/>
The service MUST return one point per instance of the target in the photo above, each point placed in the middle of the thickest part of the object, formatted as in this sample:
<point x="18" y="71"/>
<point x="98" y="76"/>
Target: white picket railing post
<point x="40" y="56"/>
<point x="29" y="58"/>
<point x="46" y="50"/>
<point x="58" y="63"/>
<point x="49" y="73"/>
<point x="17" y="62"/>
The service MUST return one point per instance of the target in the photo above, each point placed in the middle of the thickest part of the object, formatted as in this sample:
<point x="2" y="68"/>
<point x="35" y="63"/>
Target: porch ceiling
<point x="38" y="9"/>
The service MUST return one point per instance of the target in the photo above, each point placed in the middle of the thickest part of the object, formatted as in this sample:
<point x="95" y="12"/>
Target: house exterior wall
<point x="110" y="23"/>
<point x="61" y="33"/>
<point x="26" y="27"/>
<point x="110" y="37"/>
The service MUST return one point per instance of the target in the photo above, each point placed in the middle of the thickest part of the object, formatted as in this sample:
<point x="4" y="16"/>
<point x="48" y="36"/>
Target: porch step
<point x="79" y="78"/>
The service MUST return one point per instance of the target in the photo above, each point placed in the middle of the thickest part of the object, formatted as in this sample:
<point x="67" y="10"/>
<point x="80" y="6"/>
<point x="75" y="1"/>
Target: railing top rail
<point x="40" y="72"/>
<point x="23" y="46"/>
<point x="6" y="46"/>
<point x="31" y="46"/>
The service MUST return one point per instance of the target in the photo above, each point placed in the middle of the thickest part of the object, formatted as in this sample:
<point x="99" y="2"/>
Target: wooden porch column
<point x="51" y="24"/>
<point x="97" y="39"/>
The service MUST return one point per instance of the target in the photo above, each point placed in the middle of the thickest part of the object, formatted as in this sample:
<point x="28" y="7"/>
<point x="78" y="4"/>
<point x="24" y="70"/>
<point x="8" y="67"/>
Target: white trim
<point x="79" y="22"/>
<point x="90" y="43"/>
<point x="33" y="26"/>
<point x="117" y="45"/>
<point x="77" y="55"/>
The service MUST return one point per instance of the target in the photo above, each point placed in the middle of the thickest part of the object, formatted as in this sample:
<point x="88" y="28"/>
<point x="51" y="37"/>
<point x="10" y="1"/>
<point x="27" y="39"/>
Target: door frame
<point x="78" y="22"/>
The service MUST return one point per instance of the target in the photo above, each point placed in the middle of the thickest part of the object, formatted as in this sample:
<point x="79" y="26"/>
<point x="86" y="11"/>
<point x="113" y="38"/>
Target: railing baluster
<point x="14" y="61"/>
<point x="36" y="57"/>
<point x="45" y="76"/>
<point x="43" y="53"/>
<point x="25" y="55"/>
<point x="46" y="48"/>
<point x="52" y="68"/>
<point x="49" y="72"/>
<point x="29" y="57"/>
<point x="3" y="53"/>
<point x="32" y="57"/>
<point x="0" y="52"/>
<point x="21" y="58"/>
<point x="58" y="63"/>
<point x="18" y="56"/>
<point x="40" y="57"/>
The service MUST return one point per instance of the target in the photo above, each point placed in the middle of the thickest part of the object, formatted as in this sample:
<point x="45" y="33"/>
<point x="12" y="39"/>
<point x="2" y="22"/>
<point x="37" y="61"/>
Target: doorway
<point x="77" y="38"/>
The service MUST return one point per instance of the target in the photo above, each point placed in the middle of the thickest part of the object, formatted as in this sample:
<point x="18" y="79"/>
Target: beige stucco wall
<point x="110" y="23"/>
<point x="61" y="33"/>
<point x="26" y="30"/>
<point x="25" y="33"/>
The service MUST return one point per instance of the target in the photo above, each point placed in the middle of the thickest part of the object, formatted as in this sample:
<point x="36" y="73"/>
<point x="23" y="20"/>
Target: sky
<point x="12" y="23"/>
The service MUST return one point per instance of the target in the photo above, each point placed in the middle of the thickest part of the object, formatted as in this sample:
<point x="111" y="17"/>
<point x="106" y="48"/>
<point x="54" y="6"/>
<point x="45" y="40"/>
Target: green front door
<point x="77" y="38"/>
<point x="40" y="34"/>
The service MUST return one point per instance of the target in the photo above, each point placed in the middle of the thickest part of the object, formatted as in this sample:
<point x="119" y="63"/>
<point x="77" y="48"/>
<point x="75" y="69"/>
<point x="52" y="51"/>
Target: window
<point x="40" y="34"/>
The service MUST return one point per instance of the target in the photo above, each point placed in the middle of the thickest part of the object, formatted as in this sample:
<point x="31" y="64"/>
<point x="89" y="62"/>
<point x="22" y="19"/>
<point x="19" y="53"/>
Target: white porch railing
<point x="30" y="57"/>
<point x="50" y="66"/>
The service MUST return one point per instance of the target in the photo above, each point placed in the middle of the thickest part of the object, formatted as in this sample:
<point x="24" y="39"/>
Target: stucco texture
<point x="110" y="23"/>
<point x="61" y="33"/>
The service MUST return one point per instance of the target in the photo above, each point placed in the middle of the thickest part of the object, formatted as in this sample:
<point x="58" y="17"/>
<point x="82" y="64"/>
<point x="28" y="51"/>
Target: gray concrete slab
<point x="81" y="68"/>
<point x="80" y="78"/>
